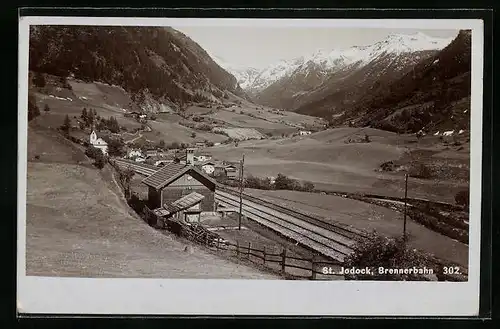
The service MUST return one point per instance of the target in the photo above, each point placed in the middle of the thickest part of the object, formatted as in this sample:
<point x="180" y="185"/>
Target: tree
<point x="161" y="144"/>
<point x="115" y="146"/>
<point x="420" y="170"/>
<point x="84" y="115"/>
<point x="308" y="187"/>
<point x="66" y="126"/>
<point x="282" y="182"/>
<point x="100" y="160"/>
<point x="193" y="135"/>
<point x="39" y="80"/>
<point x="125" y="177"/>
<point x="112" y="125"/>
<point x="376" y="251"/>
<point x="33" y="110"/>
<point x="92" y="152"/>
<point x="46" y="108"/>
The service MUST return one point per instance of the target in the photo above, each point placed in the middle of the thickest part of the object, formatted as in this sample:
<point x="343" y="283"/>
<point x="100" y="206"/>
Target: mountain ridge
<point x="160" y="63"/>
<point x="332" y="60"/>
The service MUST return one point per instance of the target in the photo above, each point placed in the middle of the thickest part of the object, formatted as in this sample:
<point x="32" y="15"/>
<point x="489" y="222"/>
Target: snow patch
<point x="331" y="60"/>
<point x="448" y="133"/>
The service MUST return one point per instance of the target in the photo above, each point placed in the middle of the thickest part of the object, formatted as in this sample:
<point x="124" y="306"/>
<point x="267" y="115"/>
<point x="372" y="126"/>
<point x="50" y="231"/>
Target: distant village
<point x="159" y="158"/>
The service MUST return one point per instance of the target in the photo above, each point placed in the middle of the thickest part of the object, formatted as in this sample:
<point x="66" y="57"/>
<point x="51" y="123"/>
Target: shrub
<point x="193" y="135"/>
<point x="115" y="146"/>
<point x="46" y="108"/>
<point x="100" y="161"/>
<point x="420" y="171"/>
<point x="66" y="126"/>
<point x="92" y="152"/>
<point x="39" y="80"/>
<point x="258" y="183"/>
<point x="308" y="187"/>
<point x="204" y="127"/>
<point x="462" y="198"/>
<point x="377" y="251"/>
<point x="282" y="182"/>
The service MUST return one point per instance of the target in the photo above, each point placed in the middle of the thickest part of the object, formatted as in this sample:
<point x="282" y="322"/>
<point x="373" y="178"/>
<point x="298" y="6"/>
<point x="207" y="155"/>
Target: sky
<point x="261" y="46"/>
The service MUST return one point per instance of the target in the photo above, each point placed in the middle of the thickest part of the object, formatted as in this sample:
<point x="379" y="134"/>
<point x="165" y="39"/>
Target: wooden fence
<point x="280" y="261"/>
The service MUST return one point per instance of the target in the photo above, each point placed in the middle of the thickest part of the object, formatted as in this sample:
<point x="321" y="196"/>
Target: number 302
<point x="451" y="270"/>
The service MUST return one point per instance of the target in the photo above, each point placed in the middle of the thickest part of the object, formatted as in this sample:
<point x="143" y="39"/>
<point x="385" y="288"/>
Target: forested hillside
<point x="146" y="61"/>
<point x="433" y="96"/>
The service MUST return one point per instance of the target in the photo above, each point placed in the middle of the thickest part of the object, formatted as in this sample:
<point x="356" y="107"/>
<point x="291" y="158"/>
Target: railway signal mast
<point x="242" y="163"/>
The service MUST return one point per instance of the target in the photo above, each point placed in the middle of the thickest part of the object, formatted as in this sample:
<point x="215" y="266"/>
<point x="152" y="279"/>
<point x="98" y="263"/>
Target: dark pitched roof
<point x="165" y="175"/>
<point x="171" y="172"/>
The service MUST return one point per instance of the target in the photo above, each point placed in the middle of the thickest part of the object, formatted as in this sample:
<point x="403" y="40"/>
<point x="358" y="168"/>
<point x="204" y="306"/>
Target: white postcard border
<point x="253" y="297"/>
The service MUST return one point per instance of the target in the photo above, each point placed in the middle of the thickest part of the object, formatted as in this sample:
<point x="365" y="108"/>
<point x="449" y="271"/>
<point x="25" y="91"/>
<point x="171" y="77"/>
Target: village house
<point x="203" y="157"/>
<point x="175" y="181"/>
<point x="231" y="171"/>
<point x="208" y="167"/>
<point x="158" y="163"/>
<point x="304" y="132"/>
<point x="182" y="156"/>
<point x="98" y="142"/>
<point x="140" y="159"/>
<point x="134" y="153"/>
<point x="151" y="153"/>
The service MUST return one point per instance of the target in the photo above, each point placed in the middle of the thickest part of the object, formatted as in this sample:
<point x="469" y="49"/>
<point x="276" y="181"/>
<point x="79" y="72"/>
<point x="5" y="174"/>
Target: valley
<point x="334" y="125"/>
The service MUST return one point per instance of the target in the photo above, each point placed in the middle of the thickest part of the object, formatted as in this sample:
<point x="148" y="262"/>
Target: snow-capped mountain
<point x="292" y="83"/>
<point x="336" y="59"/>
<point x="243" y="74"/>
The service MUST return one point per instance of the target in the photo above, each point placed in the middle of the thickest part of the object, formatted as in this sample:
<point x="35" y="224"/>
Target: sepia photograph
<point x="259" y="152"/>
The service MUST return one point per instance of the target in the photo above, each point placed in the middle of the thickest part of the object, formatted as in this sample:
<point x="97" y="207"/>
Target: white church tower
<point x="93" y="137"/>
<point x="98" y="142"/>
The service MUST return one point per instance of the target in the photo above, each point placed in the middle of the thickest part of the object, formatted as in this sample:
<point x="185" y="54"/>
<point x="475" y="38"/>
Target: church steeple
<point x="93" y="136"/>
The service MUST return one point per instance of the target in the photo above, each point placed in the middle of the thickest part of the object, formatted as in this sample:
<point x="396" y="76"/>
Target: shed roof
<point x="184" y="203"/>
<point x="171" y="172"/>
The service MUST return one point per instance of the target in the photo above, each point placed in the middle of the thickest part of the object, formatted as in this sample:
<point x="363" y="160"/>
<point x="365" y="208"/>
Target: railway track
<point x="143" y="169"/>
<point x="329" y="240"/>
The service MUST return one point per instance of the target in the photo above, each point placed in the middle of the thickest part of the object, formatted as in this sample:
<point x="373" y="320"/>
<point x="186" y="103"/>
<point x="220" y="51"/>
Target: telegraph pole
<point x="406" y="196"/>
<point x="242" y="163"/>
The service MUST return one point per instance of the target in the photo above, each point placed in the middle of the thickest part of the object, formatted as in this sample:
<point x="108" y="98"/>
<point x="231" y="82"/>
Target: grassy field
<point x="369" y="217"/>
<point x="79" y="225"/>
<point x="328" y="161"/>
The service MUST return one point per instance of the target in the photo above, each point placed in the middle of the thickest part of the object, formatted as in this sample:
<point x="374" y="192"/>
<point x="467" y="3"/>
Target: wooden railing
<point x="278" y="261"/>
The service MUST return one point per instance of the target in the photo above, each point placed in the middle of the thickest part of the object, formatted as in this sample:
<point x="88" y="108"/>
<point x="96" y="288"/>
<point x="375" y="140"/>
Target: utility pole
<point x="406" y="196"/>
<point x="242" y="164"/>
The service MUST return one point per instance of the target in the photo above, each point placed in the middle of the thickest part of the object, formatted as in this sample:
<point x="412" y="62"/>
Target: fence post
<point x="248" y="252"/>
<point x="313" y="271"/>
<point x="264" y="252"/>
<point x="283" y="261"/>
<point x="237" y="249"/>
